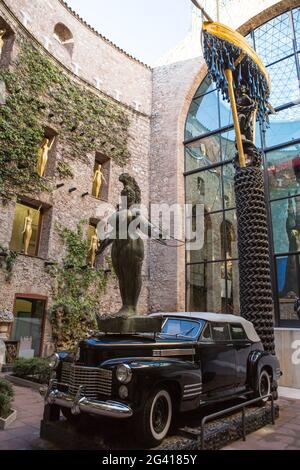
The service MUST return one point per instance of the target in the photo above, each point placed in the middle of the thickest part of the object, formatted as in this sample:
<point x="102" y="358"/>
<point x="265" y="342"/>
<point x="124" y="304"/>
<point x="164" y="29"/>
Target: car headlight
<point x="124" y="373"/>
<point x="53" y="361"/>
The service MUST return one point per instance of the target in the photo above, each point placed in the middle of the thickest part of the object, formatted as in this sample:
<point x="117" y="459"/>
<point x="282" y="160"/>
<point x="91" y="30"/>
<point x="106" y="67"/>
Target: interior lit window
<point x="26" y="229"/>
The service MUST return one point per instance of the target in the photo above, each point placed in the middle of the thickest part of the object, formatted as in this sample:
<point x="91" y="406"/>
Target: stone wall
<point x="90" y="55"/>
<point x="62" y="207"/>
<point x="173" y="89"/>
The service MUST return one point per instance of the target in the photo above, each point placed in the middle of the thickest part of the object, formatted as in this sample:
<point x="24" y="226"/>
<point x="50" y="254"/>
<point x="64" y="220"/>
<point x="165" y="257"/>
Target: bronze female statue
<point x="127" y="252"/>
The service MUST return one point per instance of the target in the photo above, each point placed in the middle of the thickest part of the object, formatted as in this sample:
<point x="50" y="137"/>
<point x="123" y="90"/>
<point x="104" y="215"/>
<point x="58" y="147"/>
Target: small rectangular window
<point x="220" y="332"/>
<point x="237" y="332"/>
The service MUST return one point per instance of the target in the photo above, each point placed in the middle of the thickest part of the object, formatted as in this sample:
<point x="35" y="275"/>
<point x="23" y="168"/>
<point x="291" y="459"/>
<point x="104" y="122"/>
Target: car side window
<point x="237" y="332"/>
<point x="206" y="334"/>
<point x="220" y="331"/>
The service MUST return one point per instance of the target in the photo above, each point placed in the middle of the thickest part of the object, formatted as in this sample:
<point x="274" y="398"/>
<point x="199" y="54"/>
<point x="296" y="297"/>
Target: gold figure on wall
<point x="27" y="231"/>
<point x="43" y="155"/>
<point x="93" y="248"/>
<point x="97" y="182"/>
<point x="2" y="34"/>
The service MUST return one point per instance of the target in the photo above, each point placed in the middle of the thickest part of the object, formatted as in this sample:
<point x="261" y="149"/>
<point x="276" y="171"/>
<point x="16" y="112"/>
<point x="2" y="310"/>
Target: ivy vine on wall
<point x="40" y="95"/>
<point x="77" y="291"/>
<point x="7" y="261"/>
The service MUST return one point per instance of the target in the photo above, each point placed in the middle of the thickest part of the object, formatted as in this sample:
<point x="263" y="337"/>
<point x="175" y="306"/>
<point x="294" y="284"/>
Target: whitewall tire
<point x="264" y="385"/>
<point x="154" y="421"/>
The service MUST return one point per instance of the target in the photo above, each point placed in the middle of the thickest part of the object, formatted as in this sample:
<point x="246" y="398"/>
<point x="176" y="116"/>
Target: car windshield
<point x="181" y="328"/>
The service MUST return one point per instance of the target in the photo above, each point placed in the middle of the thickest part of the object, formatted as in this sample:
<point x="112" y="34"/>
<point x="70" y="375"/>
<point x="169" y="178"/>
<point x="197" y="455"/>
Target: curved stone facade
<point x="90" y="55"/>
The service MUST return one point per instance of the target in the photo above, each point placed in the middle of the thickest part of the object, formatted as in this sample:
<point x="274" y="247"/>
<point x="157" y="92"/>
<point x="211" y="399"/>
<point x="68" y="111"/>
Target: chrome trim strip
<point x="173" y="352"/>
<point x="190" y="395"/>
<point x="194" y="390"/>
<point x="198" y="384"/>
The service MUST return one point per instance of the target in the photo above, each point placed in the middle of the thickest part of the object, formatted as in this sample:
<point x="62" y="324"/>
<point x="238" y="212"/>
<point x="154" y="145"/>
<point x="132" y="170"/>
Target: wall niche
<point x="7" y="38"/>
<point x="46" y="157"/>
<point x="101" y="177"/>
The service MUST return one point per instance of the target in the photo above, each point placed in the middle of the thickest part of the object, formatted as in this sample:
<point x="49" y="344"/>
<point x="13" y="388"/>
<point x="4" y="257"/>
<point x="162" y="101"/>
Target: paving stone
<point x="24" y="432"/>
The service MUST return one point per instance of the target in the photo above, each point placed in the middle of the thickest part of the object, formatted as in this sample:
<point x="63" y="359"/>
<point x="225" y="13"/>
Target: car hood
<point x="99" y="349"/>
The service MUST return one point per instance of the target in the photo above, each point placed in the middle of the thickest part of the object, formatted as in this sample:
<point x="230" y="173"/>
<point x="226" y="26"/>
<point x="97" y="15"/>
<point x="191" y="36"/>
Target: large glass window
<point x="212" y="273"/>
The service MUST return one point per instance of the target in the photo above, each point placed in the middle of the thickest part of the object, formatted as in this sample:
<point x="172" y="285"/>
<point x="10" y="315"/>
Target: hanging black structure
<point x="243" y="80"/>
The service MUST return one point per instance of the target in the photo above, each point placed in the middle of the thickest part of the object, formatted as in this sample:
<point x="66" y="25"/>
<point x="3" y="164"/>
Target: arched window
<point x="63" y="35"/>
<point x="210" y="149"/>
<point x="6" y="43"/>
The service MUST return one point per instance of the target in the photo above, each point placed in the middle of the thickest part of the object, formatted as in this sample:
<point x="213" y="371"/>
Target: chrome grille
<point x="95" y="381"/>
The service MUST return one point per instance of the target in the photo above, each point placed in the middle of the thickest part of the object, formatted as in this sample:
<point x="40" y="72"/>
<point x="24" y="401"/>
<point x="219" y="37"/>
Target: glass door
<point x="28" y="322"/>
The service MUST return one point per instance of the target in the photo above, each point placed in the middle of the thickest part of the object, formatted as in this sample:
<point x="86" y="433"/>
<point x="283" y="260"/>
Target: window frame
<point x="39" y="229"/>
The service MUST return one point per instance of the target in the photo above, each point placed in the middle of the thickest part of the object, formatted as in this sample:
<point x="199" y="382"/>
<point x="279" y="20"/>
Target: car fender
<point x="150" y="373"/>
<point x="259" y="360"/>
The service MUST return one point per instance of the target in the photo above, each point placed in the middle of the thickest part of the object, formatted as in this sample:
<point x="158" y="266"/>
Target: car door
<point x="218" y="360"/>
<point x="242" y="346"/>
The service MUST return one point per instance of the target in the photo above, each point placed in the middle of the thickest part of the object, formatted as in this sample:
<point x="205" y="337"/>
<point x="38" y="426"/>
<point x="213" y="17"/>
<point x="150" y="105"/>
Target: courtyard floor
<point x="23" y="434"/>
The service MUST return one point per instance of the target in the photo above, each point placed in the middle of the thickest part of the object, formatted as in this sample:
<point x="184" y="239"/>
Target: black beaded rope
<point x="253" y="245"/>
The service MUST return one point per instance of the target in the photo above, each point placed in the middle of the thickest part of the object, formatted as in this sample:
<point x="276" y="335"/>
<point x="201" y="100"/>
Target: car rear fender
<point x="259" y="360"/>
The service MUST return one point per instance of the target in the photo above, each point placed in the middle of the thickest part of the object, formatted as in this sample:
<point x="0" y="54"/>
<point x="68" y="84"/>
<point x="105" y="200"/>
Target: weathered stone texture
<point x="173" y="89"/>
<point x="95" y="56"/>
<point x="62" y="207"/>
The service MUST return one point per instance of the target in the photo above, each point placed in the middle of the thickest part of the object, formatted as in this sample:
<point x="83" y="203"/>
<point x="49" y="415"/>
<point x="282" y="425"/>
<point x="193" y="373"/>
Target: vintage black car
<point x="197" y="359"/>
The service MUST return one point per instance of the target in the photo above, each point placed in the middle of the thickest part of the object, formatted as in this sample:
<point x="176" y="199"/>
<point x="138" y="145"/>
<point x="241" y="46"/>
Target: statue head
<point x="131" y="189"/>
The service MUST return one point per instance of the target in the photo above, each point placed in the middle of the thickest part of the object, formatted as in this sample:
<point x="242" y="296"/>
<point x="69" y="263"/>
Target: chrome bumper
<point x="81" y="404"/>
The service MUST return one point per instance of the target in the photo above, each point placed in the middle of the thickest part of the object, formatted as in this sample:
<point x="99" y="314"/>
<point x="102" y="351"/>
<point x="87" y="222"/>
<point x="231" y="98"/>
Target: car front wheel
<point x="153" y="423"/>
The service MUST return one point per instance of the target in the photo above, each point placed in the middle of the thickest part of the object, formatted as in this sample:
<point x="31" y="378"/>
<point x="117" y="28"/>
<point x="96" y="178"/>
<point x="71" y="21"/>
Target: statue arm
<point x="51" y="143"/>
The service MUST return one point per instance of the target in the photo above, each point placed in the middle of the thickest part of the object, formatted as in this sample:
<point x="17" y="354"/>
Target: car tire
<point x="263" y="386"/>
<point x="153" y="423"/>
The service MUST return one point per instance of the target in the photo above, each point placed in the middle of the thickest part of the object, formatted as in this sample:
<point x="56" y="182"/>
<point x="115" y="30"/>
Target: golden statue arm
<point x="51" y="142"/>
<point x="25" y="224"/>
